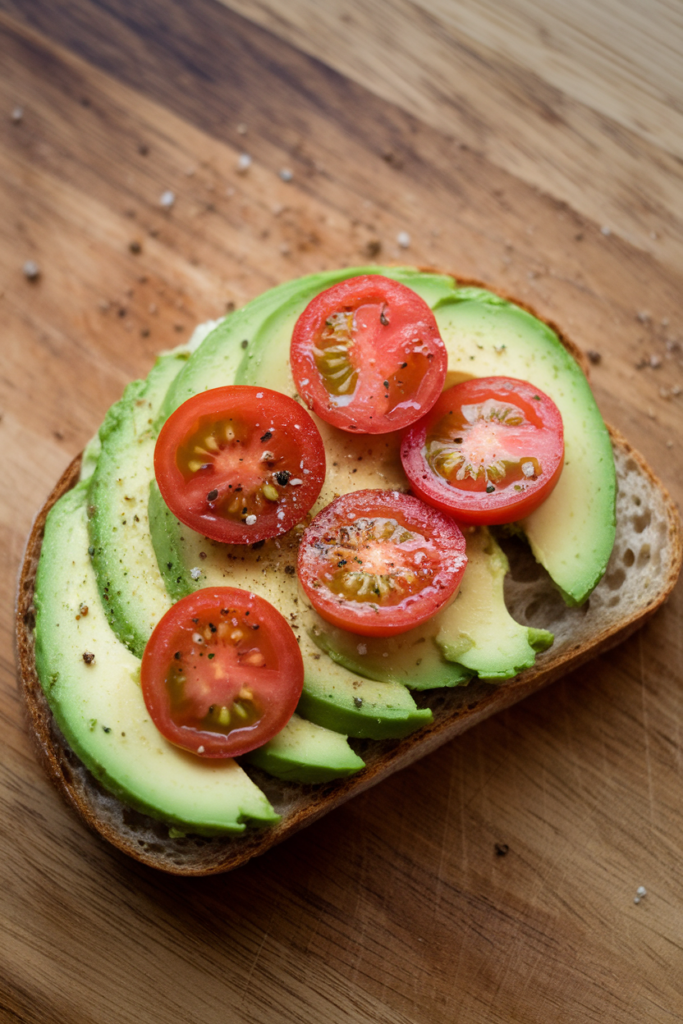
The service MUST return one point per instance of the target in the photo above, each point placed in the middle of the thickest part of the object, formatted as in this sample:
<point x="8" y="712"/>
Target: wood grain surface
<point x="529" y="146"/>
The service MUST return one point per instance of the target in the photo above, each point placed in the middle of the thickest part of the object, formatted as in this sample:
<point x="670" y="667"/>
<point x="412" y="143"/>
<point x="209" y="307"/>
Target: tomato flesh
<point x="366" y="355"/>
<point x="222" y="672"/>
<point x="240" y="464"/>
<point x="380" y="562"/>
<point x="490" y="451"/>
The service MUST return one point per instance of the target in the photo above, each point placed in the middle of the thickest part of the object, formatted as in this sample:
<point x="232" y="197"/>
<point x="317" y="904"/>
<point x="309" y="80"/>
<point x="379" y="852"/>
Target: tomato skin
<point x="221" y="492"/>
<point x="197" y="636"/>
<point x="373" y="532"/>
<point x="367" y="356"/>
<point x="488" y="452"/>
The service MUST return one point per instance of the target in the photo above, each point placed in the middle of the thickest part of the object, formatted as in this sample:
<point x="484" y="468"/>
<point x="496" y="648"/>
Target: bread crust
<point x="454" y="710"/>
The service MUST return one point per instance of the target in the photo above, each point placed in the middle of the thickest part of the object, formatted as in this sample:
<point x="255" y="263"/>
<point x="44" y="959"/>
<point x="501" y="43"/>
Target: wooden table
<point x="535" y="147"/>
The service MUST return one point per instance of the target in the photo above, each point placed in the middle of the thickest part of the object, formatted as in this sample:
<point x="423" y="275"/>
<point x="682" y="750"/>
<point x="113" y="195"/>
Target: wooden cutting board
<point x="495" y="880"/>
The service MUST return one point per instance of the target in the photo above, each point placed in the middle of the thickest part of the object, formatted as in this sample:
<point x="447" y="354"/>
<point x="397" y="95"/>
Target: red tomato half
<point x="222" y="672"/>
<point x="366" y="355"/>
<point x="380" y="562"/>
<point x="240" y="464"/>
<point x="490" y="451"/>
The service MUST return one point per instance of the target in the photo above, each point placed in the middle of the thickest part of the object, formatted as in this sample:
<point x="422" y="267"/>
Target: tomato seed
<point x="270" y="492"/>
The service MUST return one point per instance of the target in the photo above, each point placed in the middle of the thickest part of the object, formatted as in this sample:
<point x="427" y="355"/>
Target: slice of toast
<point x="641" y="573"/>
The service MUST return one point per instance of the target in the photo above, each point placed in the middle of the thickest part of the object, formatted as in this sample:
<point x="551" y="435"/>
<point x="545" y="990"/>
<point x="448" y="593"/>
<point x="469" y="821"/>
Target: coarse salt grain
<point x="250" y="520"/>
<point x="195" y="573"/>
<point x="31" y="270"/>
<point x="167" y="199"/>
<point x="403" y="239"/>
<point x="244" y="163"/>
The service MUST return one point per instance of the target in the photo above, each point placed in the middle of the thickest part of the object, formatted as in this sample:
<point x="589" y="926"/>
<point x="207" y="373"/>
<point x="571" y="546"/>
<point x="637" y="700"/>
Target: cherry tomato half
<point x="222" y="672"/>
<point x="380" y="562"/>
<point x="366" y="355"/>
<point x="240" y="464"/>
<point x="490" y="451"/>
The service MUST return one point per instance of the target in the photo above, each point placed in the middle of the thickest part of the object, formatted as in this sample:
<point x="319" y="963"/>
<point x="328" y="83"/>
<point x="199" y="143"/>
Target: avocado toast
<point x="350" y="689"/>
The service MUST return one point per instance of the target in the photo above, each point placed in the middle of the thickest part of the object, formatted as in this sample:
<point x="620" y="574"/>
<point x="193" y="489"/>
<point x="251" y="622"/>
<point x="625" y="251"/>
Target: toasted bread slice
<point x="642" y="571"/>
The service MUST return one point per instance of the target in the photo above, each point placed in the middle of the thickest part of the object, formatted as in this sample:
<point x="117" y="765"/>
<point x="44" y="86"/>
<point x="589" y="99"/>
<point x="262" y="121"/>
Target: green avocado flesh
<point x="572" y="533"/>
<point x="477" y="630"/>
<point x="338" y="698"/>
<point x="99" y="706"/>
<point x="411" y="659"/>
<point x="129" y="582"/>
<point x="305" y="752"/>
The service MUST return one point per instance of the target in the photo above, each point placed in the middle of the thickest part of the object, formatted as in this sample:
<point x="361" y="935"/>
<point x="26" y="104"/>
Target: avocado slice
<point x="215" y="360"/>
<point x="333" y="697"/>
<point x="98" y="704"/>
<point x="572" y="533"/>
<point x="411" y="659"/>
<point x="130" y="585"/>
<point x="304" y="752"/>
<point x="340" y="699"/>
<point x="91" y="454"/>
<point x="476" y="630"/>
